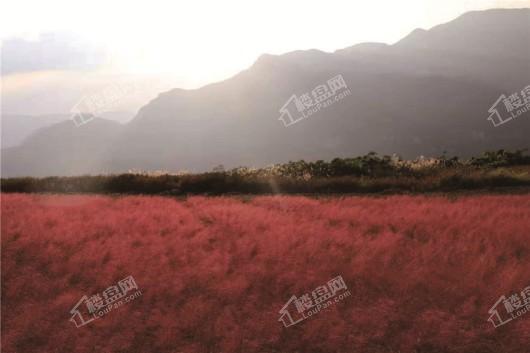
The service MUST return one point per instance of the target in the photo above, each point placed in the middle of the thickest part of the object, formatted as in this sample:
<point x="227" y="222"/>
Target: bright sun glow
<point x="203" y="41"/>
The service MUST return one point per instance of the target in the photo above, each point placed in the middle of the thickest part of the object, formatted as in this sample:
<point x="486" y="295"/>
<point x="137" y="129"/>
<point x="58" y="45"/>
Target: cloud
<point x="52" y="51"/>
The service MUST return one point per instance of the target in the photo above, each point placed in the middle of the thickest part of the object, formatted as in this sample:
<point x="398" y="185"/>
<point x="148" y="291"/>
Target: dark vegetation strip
<point x="367" y="174"/>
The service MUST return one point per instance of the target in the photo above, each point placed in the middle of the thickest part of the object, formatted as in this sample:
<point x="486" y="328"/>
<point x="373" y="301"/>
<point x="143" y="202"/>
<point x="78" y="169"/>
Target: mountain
<point x="426" y="94"/>
<point x="16" y="128"/>
<point x="63" y="149"/>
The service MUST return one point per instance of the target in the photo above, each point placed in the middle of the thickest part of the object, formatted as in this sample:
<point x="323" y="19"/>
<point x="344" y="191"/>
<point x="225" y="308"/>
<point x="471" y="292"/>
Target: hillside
<point x="424" y="95"/>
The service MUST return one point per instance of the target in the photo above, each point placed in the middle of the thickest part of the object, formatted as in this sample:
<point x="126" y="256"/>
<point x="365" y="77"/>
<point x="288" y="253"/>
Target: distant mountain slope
<point x="63" y="149"/>
<point x="477" y="32"/>
<point x="426" y="94"/>
<point x="16" y="128"/>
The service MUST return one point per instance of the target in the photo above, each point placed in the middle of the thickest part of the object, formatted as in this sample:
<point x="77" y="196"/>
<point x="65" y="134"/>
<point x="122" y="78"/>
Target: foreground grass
<point x="214" y="272"/>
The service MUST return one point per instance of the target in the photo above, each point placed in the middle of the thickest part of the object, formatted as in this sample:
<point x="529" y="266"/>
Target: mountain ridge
<point x="405" y="99"/>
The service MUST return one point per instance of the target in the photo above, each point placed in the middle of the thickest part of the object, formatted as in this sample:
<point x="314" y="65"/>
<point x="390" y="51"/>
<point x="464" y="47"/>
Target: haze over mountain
<point x="16" y="128"/>
<point x="424" y="95"/>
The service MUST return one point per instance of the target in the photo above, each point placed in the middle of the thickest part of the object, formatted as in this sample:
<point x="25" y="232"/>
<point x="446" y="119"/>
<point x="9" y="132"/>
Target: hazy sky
<point x="207" y="40"/>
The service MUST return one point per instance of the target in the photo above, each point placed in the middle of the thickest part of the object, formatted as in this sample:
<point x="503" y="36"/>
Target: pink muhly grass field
<point x="423" y="272"/>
